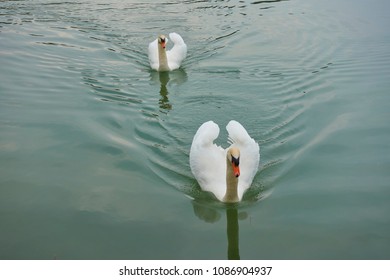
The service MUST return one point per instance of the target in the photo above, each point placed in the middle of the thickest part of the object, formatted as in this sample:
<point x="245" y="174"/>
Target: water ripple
<point x="237" y="67"/>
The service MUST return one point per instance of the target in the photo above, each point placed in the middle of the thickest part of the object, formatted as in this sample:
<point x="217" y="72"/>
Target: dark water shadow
<point x="165" y="79"/>
<point x="210" y="214"/>
<point x="267" y="1"/>
<point x="232" y="230"/>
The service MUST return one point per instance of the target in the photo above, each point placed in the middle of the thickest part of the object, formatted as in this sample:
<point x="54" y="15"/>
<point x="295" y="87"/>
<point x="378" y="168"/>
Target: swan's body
<point x="227" y="173"/>
<point x="162" y="60"/>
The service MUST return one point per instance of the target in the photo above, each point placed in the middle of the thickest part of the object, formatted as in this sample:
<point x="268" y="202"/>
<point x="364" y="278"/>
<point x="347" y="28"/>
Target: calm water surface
<point x="94" y="145"/>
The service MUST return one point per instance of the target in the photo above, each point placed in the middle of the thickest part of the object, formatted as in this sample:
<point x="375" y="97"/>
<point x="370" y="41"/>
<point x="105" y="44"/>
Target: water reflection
<point x="164" y="101"/>
<point x="232" y="229"/>
<point x="165" y="79"/>
<point x="210" y="214"/>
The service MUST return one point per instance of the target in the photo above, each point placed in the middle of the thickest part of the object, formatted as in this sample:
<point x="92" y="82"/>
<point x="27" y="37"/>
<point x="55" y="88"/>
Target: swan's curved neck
<point x="231" y="194"/>
<point x="162" y="59"/>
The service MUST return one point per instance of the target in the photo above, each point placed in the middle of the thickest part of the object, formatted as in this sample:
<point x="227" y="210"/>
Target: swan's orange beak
<point x="163" y="43"/>
<point x="236" y="169"/>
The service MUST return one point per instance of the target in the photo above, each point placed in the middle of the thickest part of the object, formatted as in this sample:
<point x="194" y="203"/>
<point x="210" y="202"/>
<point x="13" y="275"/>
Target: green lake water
<point x="94" y="146"/>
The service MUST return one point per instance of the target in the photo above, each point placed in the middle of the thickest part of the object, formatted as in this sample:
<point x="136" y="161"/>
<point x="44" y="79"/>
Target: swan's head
<point x="162" y="40"/>
<point x="233" y="156"/>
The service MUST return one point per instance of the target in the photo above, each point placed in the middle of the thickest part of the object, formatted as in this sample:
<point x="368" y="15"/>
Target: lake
<point x="94" y="145"/>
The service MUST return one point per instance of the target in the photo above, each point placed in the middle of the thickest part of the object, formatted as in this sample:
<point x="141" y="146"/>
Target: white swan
<point x="162" y="60"/>
<point x="227" y="173"/>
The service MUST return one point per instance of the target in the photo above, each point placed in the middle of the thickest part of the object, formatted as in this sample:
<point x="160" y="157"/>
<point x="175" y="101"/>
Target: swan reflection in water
<point x="212" y="215"/>
<point x="166" y="79"/>
<point x="210" y="211"/>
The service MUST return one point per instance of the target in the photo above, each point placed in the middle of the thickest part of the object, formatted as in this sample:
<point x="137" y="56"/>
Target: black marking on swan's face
<point x="236" y="161"/>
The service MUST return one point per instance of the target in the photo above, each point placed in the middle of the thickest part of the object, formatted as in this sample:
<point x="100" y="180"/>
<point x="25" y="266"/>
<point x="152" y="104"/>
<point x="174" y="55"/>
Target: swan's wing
<point x="178" y="52"/>
<point x="208" y="161"/>
<point x="153" y="55"/>
<point x="249" y="155"/>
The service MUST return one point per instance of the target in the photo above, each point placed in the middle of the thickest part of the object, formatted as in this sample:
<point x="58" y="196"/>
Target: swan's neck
<point x="231" y="184"/>
<point x="162" y="59"/>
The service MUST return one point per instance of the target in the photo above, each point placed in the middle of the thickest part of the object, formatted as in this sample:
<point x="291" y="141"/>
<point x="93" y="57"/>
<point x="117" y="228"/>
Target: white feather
<point x="153" y="55"/>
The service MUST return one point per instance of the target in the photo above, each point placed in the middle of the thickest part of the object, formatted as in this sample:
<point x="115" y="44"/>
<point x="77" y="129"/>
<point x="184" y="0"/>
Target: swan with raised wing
<point x="162" y="60"/>
<point x="227" y="173"/>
